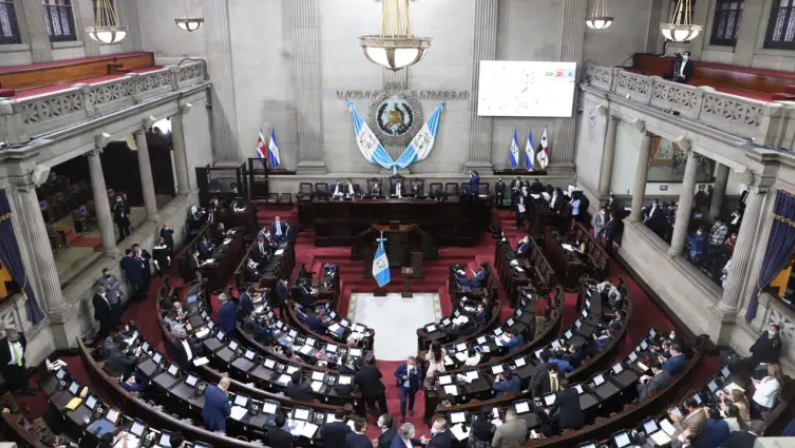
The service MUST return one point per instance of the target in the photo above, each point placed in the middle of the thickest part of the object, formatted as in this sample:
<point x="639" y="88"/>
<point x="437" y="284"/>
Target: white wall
<point x="160" y="34"/>
<point x="198" y="142"/>
<point x="625" y="37"/>
<point x="591" y="127"/>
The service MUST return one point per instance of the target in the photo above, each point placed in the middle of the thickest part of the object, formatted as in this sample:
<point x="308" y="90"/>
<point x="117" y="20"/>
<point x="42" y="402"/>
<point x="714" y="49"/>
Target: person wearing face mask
<point x="683" y="70"/>
<point x="121" y="216"/>
<point x="766" y="349"/>
<point x="499" y="193"/>
<point x="482" y="317"/>
<point x="440" y="436"/>
<point x="143" y="256"/>
<point x="277" y="229"/>
<point x="112" y="289"/>
<point x="408" y="382"/>
<point x="104" y="313"/>
<point x="162" y="257"/>
<point x="339" y="190"/>
<point x="167" y="233"/>
<point x="557" y="202"/>
<point x="697" y="241"/>
<point x="12" y="362"/>
<point x="598" y="222"/>
<point x="279" y="299"/>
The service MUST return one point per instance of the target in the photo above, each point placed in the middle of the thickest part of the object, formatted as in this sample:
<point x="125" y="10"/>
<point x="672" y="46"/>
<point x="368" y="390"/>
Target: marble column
<point x="147" y="182"/>
<point x="102" y="204"/>
<point x="641" y="173"/>
<point x="654" y="38"/>
<point x="685" y="206"/>
<point x="31" y="221"/>
<point x="84" y="16"/>
<point x="484" y="49"/>
<point x="571" y="49"/>
<point x="719" y="191"/>
<point x="608" y="155"/>
<point x="743" y="251"/>
<point x="36" y="24"/>
<point x="127" y="13"/>
<point x="180" y="154"/>
<point x="219" y="66"/>
<point x="306" y="65"/>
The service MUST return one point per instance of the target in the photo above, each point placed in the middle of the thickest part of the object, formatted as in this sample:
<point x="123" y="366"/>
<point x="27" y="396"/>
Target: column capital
<point x="638" y="124"/>
<point x="100" y="141"/>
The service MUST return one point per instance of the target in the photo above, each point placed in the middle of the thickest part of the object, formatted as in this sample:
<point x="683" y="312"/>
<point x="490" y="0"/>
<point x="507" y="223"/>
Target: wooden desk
<point x="455" y="222"/>
<point x="567" y="265"/>
<point x="225" y="258"/>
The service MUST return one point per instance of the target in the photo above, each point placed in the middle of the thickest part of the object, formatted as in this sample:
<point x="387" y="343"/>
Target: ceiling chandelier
<point x="598" y="20"/>
<point x="681" y="27"/>
<point x="188" y="23"/>
<point x="395" y="48"/>
<point x="106" y="29"/>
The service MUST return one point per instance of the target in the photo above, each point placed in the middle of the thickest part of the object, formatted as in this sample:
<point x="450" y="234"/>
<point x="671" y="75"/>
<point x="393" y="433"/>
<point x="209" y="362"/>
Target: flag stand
<point x="407" y="294"/>
<point x="379" y="292"/>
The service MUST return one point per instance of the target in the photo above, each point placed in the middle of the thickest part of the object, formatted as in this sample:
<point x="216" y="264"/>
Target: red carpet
<point x="436" y="280"/>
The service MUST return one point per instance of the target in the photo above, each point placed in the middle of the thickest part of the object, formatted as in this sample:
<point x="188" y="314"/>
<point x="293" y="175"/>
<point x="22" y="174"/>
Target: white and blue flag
<point x="422" y="143"/>
<point x="369" y="145"/>
<point x="514" y="151"/>
<point x="529" y="152"/>
<point x="381" y="265"/>
<point x="273" y="151"/>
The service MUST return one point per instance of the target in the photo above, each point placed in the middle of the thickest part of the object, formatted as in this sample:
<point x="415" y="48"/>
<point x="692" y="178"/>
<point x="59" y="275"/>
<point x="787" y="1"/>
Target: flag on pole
<point x="381" y="264"/>
<point x="514" y="151"/>
<point x="529" y="152"/>
<point x="543" y="151"/>
<point x="273" y="150"/>
<point x="261" y="147"/>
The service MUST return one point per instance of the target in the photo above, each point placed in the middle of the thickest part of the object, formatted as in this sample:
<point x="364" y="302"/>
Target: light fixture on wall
<point x="106" y="29"/>
<point x="681" y="28"/>
<point x="396" y="47"/>
<point x="599" y="20"/>
<point x="187" y="22"/>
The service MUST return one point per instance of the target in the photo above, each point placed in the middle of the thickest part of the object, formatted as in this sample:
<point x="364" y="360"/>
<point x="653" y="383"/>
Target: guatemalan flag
<point x="369" y="145"/>
<point x="543" y="151"/>
<point x="273" y="150"/>
<point x="529" y="152"/>
<point x="381" y="265"/>
<point x="514" y="151"/>
<point x="261" y="147"/>
<point x="421" y="145"/>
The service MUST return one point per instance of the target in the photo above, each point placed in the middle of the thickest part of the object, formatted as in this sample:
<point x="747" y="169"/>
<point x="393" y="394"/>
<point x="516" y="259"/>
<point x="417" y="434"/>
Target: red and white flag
<point x="543" y="152"/>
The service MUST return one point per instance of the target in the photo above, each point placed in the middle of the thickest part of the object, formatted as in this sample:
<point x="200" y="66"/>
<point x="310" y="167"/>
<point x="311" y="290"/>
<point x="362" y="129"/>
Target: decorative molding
<point x="484" y="49"/>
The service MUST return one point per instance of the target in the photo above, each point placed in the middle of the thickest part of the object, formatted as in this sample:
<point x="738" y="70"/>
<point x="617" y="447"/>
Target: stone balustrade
<point x="23" y="118"/>
<point x="761" y="121"/>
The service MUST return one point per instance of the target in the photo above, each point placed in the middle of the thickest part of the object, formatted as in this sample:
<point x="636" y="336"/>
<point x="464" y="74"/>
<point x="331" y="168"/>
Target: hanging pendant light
<point x="681" y="28"/>
<point x="395" y="48"/>
<point x="106" y="29"/>
<point x="598" y="20"/>
<point x="187" y="22"/>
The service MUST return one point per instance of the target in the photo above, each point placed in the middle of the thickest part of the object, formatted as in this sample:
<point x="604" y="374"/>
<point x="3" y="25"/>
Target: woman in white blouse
<point x="473" y="357"/>
<point x="435" y="358"/>
<point x="767" y="389"/>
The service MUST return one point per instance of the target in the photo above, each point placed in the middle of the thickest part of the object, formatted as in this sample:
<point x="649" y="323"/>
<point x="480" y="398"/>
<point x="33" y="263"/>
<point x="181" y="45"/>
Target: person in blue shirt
<point x="507" y="383"/>
<point x="474" y="183"/>
<point x="277" y="229"/>
<point x="408" y="382"/>
<point x="563" y="364"/>
<point x="604" y="340"/>
<point x="262" y="334"/>
<point x="216" y="405"/>
<point x="314" y="322"/>
<point x="205" y="249"/>
<point x="524" y="246"/>
<point x="134" y="383"/>
<point x="715" y="433"/>
<point x="483" y="316"/>
<point x="227" y="315"/>
<point x="676" y="362"/>
<point x="697" y="244"/>
<point x="246" y="302"/>
<point x="512" y="341"/>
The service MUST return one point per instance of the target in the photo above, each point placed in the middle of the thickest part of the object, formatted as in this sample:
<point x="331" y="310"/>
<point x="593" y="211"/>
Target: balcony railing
<point x="21" y="119"/>
<point x="763" y="122"/>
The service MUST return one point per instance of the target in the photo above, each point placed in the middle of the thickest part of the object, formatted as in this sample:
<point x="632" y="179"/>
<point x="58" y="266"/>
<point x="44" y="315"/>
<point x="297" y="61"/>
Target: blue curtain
<point x="9" y="256"/>
<point x="779" y="247"/>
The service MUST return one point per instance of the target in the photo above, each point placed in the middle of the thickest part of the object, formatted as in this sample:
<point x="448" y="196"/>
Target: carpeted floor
<point x="436" y="281"/>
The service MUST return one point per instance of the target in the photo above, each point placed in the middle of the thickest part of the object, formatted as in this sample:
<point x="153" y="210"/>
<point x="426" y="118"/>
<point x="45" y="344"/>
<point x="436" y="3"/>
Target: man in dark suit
<point x="650" y="384"/>
<point x="368" y="378"/>
<point x="442" y="438"/>
<point x="167" y="233"/>
<point x="566" y="410"/>
<point x="539" y="375"/>
<point x="398" y="189"/>
<point x="499" y="192"/>
<point x="219" y="234"/>
<point x="144" y="257"/>
<point x="119" y="363"/>
<point x="482" y="317"/>
<point x="216" y="405"/>
<point x="134" y="272"/>
<point x="261" y="251"/>
<point x="227" y="315"/>
<point x="334" y="433"/>
<point x="278" y="437"/>
<point x="277" y="229"/>
<point x="616" y="322"/>
<point x="297" y="389"/>
<point x="357" y="438"/>
<point x="246" y="302"/>
<point x="104" y="313"/>
<point x="388" y="431"/>
<point x="194" y="266"/>
<point x="185" y="350"/>
<point x="408" y="382"/>
<point x="346" y="367"/>
<point x="683" y="70"/>
<point x="577" y="355"/>
<point x="314" y="322"/>
<point x="12" y="362"/>
<point x="304" y="293"/>
<point x="506" y="383"/>
<point x="121" y="216"/>
<point x="550" y="381"/>
<point x="676" y="362"/>
<point x="205" y="249"/>
<point x="280" y="298"/>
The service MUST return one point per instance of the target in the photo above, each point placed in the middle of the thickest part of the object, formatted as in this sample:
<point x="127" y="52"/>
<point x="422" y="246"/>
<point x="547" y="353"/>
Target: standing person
<point x="404" y="438"/>
<point x="435" y="358"/>
<point x="104" y="313"/>
<point x="513" y="433"/>
<point x="162" y="257"/>
<point x="121" y="216"/>
<point x="247" y="302"/>
<point x="334" y="433"/>
<point x="474" y="183"/>
<point x="766" y="349"/>
<point x="216" y="405"/>
<point x="566" y="410"/>
<point x="767" y="389"/>
<point x="167" y="233"/>
<point x="279" y="437"/>
<point x="613" y="231"/>
<point x="408" y="382"/>
<point x="598" y="222"/>
<point x="388" y="431"/>
<point x="277" y="229"/>
<point x="516" y="191"/>
<point x="499" y="192"/>
<point x="482" y="430"/>
<point x="368" y="378"/>
<point x="280" y="298"/>
<point x="134" y="272"/>
<point x="143" y="256"/>
<point x="357" y="438"/>
<point x="440" y="435"/>
<point x="12" y="362"/>
<point x="227" y="315"/>
<point x="112" y="289"/>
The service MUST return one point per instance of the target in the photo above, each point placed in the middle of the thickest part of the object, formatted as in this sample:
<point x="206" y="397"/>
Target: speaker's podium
<point x="406" y="245"/>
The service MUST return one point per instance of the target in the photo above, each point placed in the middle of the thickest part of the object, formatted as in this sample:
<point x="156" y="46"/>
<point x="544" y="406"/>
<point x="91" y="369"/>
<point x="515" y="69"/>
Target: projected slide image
<point x="526" y="89"/>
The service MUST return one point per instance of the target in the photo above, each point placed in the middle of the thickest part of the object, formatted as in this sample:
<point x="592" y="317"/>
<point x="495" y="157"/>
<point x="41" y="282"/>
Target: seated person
<point x="610" y="294"/>
<point x="315" y="322"/>
<point x="305" y="296"/>
<point x="577" y="354"/>
<point x="350" y="189"/>
<point x="603" y="340"/>
<point x="119" y="363"/>
<point x="219" y="234"/>
<point x="560" y="360"/>
<point x="375" y="190"/>
<point x="650" y="384"/>
<point x="511" y="341"/>
<point x="253" y="269"/>
<point x="51" y="440"/>
<point x="205" y="249"/>
<point x="185" y="349"/>
<point x="523" y="247"/>
<point x="398" y="190"/>
<point x="297" y="389"/>
<point x="616" y="322"/>
<point x="262" y="333"/>
<point x="338" y="191"/>
<point x="416" y="187"/>
<point x="483" y="316"/>
<point x="506" y="383"/>
<point x="176" y="317"/>
<point x="473" y="357"/>
<point x="676" y="362"/>
<point x="135" y="382"/>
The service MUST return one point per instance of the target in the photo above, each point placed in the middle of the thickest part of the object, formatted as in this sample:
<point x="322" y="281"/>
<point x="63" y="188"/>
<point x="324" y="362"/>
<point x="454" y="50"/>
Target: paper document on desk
<point x="460" y="320"/>
<point x="296" y="427"/>
<point x="732" y="386"/>
<point x="567" y="247"/>
<point x="279" y="252"/>
<point x="461" y="356"/>
<point x="72" y="405"/>
<point x="283" y="380"/>
<point x="660" y="438"/>
<point x="237" y="413"/>
<point x="306" y="350"/>
<point x="460" y="432"/>
<point x="451" y="389"/>
<point x="472" y="375"/>
<point x="227" y="241"/>
<point x="198" y="362"/>
<point x="203" y="333"/>
<point x="496" y="422"/>
<point x="208" y="261"/>
<point x="316" y="386"/>
<point x="309" y="430"/>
